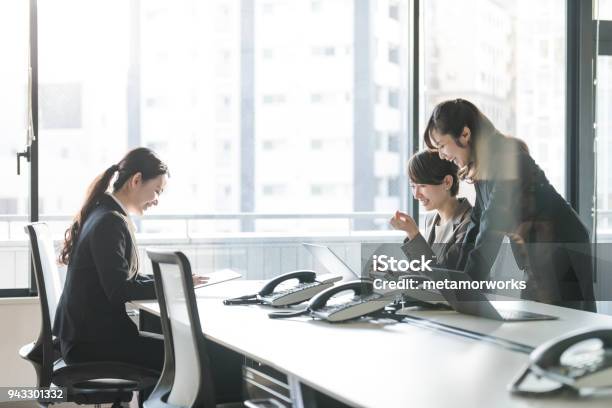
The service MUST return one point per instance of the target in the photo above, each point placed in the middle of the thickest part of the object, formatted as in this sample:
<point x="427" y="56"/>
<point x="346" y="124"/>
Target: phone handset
<point x="307" y="286"/>
<point x="364" y="302"/>
<point x="305" y="276"/>
<point x="359" y="288"/>
<point x="579" y="360"/>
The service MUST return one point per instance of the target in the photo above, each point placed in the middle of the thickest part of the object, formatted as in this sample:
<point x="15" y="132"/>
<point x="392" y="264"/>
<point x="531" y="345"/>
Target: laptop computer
<point x="332" y="262"/>
<point x="475" y="302"/>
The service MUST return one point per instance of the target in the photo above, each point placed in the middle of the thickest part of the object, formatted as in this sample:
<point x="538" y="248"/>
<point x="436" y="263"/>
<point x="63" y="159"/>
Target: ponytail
<point x="95" y="190"/>
<point x="140" y="160"/>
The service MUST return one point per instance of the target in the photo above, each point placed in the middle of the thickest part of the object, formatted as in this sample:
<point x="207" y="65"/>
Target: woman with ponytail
<point x="91" y="322"/>
<point x="514" y="199"/>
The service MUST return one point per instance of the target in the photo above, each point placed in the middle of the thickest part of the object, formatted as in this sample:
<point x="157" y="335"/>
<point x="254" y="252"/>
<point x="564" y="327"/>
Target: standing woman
<point x="91" y="322"/>
<point x="435" y="184"/>
<point x="514" y="198"/>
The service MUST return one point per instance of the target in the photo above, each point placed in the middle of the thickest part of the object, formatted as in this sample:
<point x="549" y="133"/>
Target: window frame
<point x="580" y="105"/>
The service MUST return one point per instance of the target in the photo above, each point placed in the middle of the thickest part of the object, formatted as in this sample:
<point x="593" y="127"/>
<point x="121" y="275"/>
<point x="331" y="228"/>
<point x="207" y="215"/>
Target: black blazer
<point x="549" y="241"/>
<point x="92" y="305"/>
<point x="445" y="253"/>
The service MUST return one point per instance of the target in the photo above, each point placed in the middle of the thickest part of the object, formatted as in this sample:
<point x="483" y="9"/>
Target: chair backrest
<point x="48" y="283"/>
<point x="186" y="378"/>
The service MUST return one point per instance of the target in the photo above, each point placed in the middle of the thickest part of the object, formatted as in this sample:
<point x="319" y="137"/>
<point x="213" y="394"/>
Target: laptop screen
<point x="331" y="262"/>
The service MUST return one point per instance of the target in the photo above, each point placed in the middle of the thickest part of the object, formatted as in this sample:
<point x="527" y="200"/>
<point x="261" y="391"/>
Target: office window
<point x="14" y="193"/>
<point x="274" y="99"/>
<point x="60" y="106"/>
<point x="394" y="12"/>
<point x="9" y="205"/>
<point x="316" y="144"/>
<point x="268" y="8"/>
<point x="394" y="142"/>
<point x="381" y="140"/>
<point x="603" y="186"/>
<point x="504" y="64"/>
<point x="604" y="149"/>
<point x="171" y="77"/>
<point x="223" y="108"/>
<point x="323" y="51"/>
<point x="379" y="92"/>
<point x="604" y="9"/>
<point x="393" y="187"/>
<point x="394" y="54"/>
<point x="274" y="189"/>
<point x="326" y="189"/>
<point x="316" y="98"/>
<point x="268" y="53"/>
<point x="273" y="144"/>
<point x="224" y="149"/>
<point x="83" y="83"/>
<point x="394" y="98"/>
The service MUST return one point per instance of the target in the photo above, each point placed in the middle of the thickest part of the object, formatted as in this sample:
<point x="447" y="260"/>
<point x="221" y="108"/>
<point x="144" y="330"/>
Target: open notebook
<point x="218" y="276"/>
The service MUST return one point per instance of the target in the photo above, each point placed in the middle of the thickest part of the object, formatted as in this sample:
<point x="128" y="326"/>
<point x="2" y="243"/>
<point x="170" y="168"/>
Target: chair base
<point x="83" y="383"/>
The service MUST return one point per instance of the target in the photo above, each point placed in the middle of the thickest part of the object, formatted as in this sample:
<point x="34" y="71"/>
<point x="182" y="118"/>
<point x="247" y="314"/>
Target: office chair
<point x="186" y="380"/>
<point x="86" y="383"/>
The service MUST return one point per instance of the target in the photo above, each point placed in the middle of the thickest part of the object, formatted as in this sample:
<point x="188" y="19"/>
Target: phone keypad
<point x="278" y="294"/>
<point x="590" y="363"/>
<point x="356" y="301"/>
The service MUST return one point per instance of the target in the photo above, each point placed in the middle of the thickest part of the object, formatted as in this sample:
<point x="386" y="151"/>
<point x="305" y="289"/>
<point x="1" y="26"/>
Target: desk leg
<point x="295" y="388"/>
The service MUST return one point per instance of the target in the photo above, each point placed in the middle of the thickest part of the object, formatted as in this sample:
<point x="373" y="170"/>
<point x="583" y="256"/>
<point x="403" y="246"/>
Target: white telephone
<point x="580" y="361"/>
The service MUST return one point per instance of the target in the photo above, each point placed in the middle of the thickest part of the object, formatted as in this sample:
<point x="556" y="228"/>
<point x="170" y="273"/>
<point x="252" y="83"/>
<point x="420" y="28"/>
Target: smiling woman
<point x="435" y="185"/>
<point x="140" y="178"/>
<point x="513" y="198"/>
<point x="100" y="250"/>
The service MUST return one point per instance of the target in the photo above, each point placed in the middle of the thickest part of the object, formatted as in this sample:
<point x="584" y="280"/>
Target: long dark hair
<point x="426" y="167"/>
<point x="450" y="117"/>
<point x="140" y="160"/>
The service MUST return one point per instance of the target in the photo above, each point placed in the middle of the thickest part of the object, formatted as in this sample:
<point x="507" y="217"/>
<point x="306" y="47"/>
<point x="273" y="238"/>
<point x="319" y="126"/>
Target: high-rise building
<point x="279" y="106"/>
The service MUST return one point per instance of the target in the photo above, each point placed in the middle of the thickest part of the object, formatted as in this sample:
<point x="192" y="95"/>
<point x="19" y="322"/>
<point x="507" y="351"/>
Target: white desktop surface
<point x="378" y="364"/>
<point x="531" y="333"/>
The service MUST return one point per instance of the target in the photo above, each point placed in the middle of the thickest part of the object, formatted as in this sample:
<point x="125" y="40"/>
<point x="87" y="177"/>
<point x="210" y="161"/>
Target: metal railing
<point x="189" y="218"/>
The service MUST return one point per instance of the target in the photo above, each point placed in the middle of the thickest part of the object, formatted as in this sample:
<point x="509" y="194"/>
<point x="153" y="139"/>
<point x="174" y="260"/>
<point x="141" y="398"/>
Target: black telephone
<point x="306" y="288"/>
<point x="580" y="361"/>
<point x="365" y="301"/>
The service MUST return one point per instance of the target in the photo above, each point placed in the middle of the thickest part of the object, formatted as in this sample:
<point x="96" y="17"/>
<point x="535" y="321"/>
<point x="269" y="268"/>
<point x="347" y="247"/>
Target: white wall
<point x="20" y="322"/>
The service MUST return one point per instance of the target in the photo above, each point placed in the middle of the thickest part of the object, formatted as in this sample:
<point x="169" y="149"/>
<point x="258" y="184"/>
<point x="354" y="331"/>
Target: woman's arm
<point x="415" y="244"/>
<point x="499" y="211"/>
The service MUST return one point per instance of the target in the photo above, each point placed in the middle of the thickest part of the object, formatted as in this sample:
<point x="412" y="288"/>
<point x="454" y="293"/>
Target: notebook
<point x="221" y="275"/>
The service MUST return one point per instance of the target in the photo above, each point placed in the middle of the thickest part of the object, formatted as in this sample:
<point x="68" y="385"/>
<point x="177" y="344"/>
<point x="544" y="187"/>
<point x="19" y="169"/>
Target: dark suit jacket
<point x="445" y="253"/>
<point x="92" y="305"/>
<point x="548" y="239"/>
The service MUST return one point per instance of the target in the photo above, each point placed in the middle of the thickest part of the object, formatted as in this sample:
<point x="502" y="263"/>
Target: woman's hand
<point x="199" y="280"/>
<point x="403" y="222"/>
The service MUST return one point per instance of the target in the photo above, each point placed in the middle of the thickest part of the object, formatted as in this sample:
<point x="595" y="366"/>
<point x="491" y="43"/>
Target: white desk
<point x="529" y="333"/>
<point x="380" y="364"/>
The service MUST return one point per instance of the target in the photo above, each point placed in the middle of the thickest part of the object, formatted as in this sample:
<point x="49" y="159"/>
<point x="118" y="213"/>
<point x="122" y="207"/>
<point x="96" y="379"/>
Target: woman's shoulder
<point x="105" y="219"/>
<point x="464" y="211"/>
<point x="508" y="160"/>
